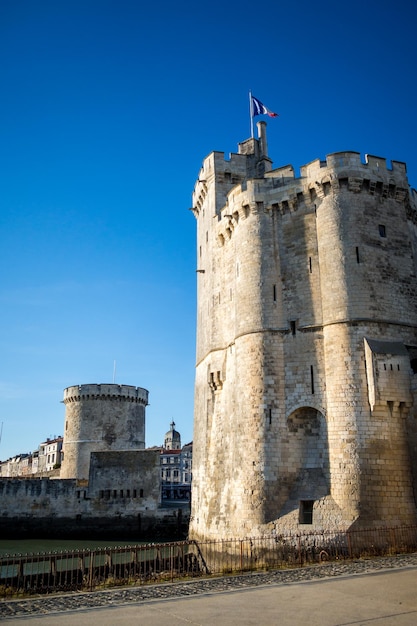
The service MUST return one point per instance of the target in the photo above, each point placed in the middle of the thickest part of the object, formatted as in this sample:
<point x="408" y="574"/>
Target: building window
<point x="382" y="231"/>
<point x="306" y="511"/>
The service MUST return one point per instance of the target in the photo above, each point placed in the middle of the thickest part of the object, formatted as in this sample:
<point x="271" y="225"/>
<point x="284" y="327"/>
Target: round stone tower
<point x="100" y="418"/>
<point x="306" y="355"/>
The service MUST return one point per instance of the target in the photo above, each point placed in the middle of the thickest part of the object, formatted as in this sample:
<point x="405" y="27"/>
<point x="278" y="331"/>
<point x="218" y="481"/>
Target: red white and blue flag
<point x="260" y="109"/>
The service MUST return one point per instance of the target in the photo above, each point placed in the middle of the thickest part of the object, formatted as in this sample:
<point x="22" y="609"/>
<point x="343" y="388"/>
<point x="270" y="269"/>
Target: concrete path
<point x="385" y="598"/>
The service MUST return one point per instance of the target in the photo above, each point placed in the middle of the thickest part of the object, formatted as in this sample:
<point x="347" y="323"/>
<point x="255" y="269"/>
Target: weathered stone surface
<point x="298" y="278"/>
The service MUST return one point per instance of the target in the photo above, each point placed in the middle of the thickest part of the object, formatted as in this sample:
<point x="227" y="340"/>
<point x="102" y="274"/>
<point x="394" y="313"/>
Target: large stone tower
<point x="306" y="342"/>
<point x="101" y="418"/>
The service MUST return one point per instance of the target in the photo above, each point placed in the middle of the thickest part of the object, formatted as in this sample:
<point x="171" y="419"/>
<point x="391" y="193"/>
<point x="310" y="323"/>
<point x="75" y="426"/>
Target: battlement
<point x="234" y="175"/>
<point x="130" y="393"/>
<point x="347" y="162"/>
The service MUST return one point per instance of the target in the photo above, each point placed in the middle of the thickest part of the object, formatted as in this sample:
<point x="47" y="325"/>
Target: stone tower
<point x="101" y="418"/>
<point x="306" y="343"/>
<point x="172" y="440"/>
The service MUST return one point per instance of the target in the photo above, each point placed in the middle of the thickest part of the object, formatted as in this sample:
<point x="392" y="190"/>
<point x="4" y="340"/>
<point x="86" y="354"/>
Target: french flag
<point x="260" y="109"/>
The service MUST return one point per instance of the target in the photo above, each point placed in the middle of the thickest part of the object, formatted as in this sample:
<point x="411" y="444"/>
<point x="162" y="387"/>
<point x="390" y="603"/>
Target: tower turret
<point x="172" y="439"/>
<point x="101" y="418"/>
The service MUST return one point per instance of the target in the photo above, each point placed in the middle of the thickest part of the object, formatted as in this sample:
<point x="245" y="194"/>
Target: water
<point x="32" y="546"/>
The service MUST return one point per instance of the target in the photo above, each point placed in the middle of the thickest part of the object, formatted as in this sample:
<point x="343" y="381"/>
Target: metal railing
<point x="88" y="570"/>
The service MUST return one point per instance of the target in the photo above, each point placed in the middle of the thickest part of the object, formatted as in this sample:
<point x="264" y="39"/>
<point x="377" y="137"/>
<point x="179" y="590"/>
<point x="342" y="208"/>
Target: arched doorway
<point x="306" y="457"/>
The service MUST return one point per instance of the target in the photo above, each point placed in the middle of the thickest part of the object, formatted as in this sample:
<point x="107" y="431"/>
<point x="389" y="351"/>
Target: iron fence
<point x="88" y="570"/>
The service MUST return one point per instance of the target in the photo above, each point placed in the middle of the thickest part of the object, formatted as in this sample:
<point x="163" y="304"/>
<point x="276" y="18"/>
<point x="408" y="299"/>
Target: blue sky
<point x="107" y="111"/>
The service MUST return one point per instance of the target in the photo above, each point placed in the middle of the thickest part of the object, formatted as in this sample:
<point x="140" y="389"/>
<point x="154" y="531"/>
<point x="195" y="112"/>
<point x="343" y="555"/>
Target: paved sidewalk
<point x="381" y="592"/>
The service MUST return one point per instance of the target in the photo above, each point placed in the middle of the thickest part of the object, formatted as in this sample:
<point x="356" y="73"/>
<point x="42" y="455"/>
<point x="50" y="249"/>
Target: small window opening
<point x="274" y="291"/>
<point x="312" y="379"/>
<point x="134" y="493"/>
<point x="141" y="493"/>
<point x="306" y="511"/>
<point x="385" y="366"/>
<point x="293" y="327"/>
<point x="357" y="255"/>
<point x="382" y="231"/>
<point x="398" y="366"/>
<point x="390" y="366"/>
<point x="270" y="416"/>
<point x="310" y="264"/>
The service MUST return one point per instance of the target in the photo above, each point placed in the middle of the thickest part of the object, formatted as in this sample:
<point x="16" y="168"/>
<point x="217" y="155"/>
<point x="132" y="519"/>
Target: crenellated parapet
<point x="111" y="392"/>
<point x="282" y="192"/>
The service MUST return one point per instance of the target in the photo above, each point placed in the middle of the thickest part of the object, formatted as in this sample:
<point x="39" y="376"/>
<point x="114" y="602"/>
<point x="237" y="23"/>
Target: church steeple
<point x="172" y="439"/>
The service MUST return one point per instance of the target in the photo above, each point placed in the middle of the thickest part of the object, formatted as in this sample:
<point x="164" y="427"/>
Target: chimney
<point x="263" y="145"/>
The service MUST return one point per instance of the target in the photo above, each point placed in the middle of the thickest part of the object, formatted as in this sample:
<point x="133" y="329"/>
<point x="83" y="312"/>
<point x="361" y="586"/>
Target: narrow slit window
<point x="293" y="327"/>
<point x="382" y="230"/>
<point x="312" y="378"/>
<point x="306" y="511"/>
<point x="357" y="255"/>
<point x="274" y="292"/>
<point x="310" y="264"/>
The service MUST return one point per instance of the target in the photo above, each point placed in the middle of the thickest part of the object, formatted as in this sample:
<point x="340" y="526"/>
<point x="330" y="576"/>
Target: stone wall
<point x="121" y="499"/>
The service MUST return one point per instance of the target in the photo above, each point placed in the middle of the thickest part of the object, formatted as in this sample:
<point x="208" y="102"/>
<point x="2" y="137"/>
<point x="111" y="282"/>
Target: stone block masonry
<point x="306" y="344"/>
<point x="105" y="417"/>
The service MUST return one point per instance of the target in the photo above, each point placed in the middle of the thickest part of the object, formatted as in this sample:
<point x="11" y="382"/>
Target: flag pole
<point x="251" y="113"/>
